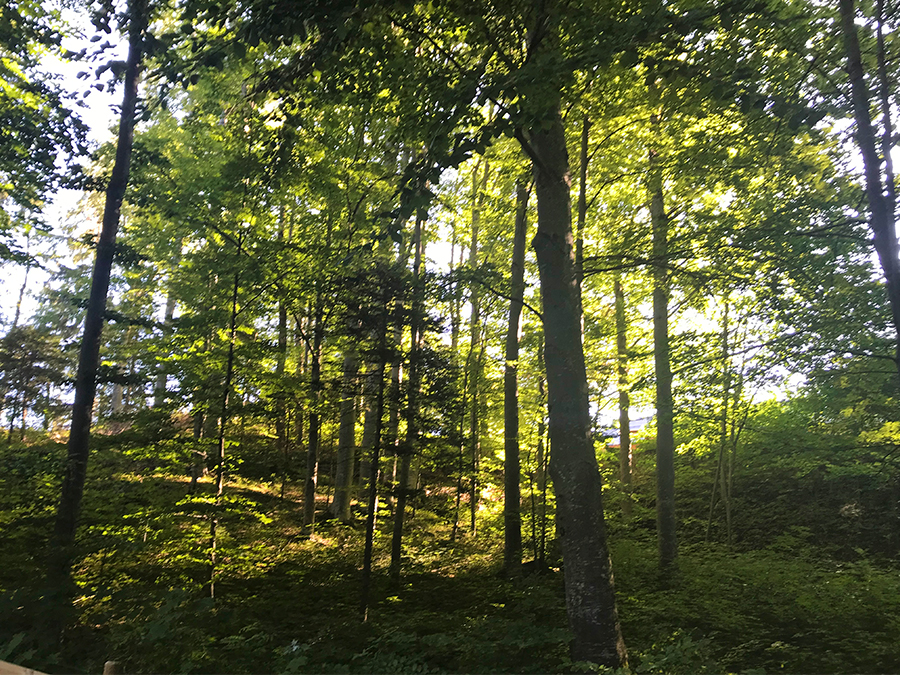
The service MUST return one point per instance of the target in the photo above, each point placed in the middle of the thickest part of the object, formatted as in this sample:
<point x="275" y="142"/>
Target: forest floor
<point x="289" y="603"/>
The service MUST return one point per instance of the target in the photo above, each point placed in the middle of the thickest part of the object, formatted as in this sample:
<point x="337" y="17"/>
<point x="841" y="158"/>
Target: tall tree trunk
<point x="665" y="432"/>
<point x="475" y="347"/>
<point x="24" y="286"/>
<point x="377" y="377"/>
<point x="89" y="358"/>
<point x="301" y="368"/>
<point x="881" y="215"/>
<point x="281" y="414"/>
<point x="624" y="399"/>
<point x="409" y="446"/>
<point x="343" y="480"/>
<point x="541" y="453"/>
<point x="312" y="449"/>
<point x="220" y="448"/>
<point x="720" y="476"/>
<point x="582" y="199"/>
<point x="590" y="597"/>
<point x="159" y="387"/>
<point x="512" y="516"/>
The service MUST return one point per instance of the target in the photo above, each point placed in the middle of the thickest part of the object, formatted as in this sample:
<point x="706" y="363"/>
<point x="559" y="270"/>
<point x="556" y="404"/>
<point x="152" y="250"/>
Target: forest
<point x="450" y="336"/>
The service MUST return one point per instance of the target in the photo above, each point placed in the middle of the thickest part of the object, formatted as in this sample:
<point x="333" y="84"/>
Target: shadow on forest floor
<point x="288" y="603"/>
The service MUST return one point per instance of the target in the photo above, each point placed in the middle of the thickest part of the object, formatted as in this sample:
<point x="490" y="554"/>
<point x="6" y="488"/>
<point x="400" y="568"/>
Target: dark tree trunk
<point x="624" y="399"/>
<point x="582" y="200"/>
<point x="89" y="358"/>
<point x="312" y="449"/>
<point x="159" y="387"/>
<point x="343" y="480"/>
<point x="475" y="349"/>
<point x="512" y="516"/>
<point x="881" y="215"/>
<point x="590" y="597"/>
<point x="372" y="501"/>
<point x="665" y="432"/>
<point x="409" y="446"/>
<point x="541" y="453"/>
<point x="220" y="448"/>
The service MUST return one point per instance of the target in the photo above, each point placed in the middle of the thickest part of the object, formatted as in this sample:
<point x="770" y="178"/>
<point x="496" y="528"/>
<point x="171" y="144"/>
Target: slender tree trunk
<point x="881" y="216"/>
<point x="392" y="440"/>
<point x="159" y="387"/>
<point x="300" y="370"/>
<point x="887" y="127"/>
<point x="665" y="432"/>
<point x="89" y="357"/>
<point x="624" y="399"/>
<point x="24" y="285"/>
<point x="582" y="199"/>
<point x="343" y="482"/>
<point x="372" y="500"/>
<point x="541" y="457"/>
<point x="461" y="465"/>
<point x="281" y="413"/>
<point x="723" y="422"/>
<point x="312" y="449"/>
<point x="590" y="597"/>
<point x="409" y="446"/>
<point x="370" y="396"/>
<point x="474" y="347"/>
<point x="512" y="516"/>
<point x="220" y="449"/>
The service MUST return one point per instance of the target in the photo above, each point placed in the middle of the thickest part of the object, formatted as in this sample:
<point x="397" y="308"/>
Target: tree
<point x="512" y="518"/>
<point x="85" y="380"/>
<point x="879" y="188"/>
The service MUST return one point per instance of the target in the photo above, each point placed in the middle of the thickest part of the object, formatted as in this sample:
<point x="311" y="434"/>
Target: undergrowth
<point x="285" y="603"/>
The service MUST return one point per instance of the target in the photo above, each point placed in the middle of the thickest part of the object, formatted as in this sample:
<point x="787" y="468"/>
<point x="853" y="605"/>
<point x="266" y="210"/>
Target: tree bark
<point x="582" y="200"/>
<point x="220" y="448"/>
<point x="512" y="516"/>
<point x="343" y="480"/>
<point x="881" y="216"/>
<point x="665" y="432"/>
<point x="475" y="348"/>
<point x="159" y="387"/>
<point x="409" y="446"/>
<point x="590" y="597"/>
<point x="372" y="500"/>
<point x="312" y="449"/>
<point x="89" y="358"/>
<point x="624" y="398"/>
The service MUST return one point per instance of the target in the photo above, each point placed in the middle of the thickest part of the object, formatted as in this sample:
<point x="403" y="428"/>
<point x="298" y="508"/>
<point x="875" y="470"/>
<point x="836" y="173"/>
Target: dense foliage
<point x="313" y="374"/>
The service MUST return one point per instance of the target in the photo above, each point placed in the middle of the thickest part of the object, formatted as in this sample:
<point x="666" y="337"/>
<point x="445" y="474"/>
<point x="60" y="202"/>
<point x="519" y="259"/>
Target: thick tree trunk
<point x="881" y="215"/>
<point x="89" y="358"/>
<point x="512" y="516"/>
<point x="665" y="432"/>
<point x="409" y="446"/>
<point x="590" y="598"/>
<point x="624" y="398"/>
